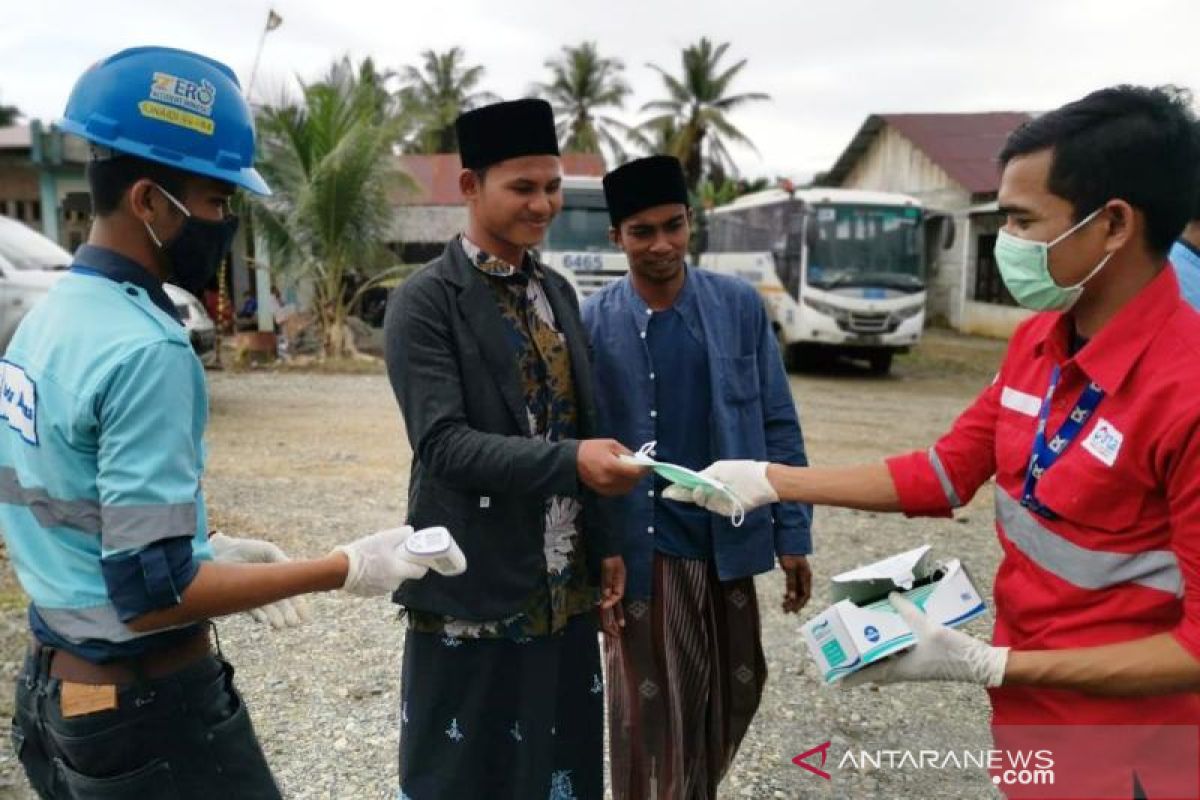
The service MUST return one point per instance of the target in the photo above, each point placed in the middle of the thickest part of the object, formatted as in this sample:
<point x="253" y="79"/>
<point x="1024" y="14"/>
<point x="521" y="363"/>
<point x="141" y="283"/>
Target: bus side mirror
<point x="940" y="228"/>
<point x="810" y="234"/>
<point x="948" y="232"/>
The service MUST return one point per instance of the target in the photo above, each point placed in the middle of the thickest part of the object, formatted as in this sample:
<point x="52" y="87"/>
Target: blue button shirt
<point x="1186" y="260"/>
<point x="104" y="404"/>
<point x="752" y="415"/>
<point x="683" y="417"/>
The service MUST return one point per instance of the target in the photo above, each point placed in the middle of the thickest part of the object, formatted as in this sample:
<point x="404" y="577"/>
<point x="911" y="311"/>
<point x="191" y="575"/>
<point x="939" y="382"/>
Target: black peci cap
<point x="495" y="133"/>
<point x="644" y="183"/>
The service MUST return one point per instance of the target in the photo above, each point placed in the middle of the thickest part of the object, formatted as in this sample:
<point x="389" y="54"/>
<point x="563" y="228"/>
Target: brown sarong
<point x="684" y="681"/>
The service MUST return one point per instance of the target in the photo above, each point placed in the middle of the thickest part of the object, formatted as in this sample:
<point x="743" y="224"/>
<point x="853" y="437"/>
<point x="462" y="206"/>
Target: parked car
<point x="30" y="264"/>
<point x="200" y="326"/>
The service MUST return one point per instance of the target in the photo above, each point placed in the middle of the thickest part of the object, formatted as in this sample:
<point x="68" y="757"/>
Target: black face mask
<point x="196" y="252"/>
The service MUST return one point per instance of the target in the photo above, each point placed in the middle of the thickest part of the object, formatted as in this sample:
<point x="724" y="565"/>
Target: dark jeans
<point x="184" y="737"/>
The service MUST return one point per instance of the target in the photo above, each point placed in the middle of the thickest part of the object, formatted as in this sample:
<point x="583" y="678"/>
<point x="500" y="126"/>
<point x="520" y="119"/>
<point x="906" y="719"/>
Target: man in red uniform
<point x="1091" y="429"/>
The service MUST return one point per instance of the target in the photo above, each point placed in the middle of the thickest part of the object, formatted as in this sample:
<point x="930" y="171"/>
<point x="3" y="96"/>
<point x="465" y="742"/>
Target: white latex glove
<point x="746" y="479"/>
<point x="287" y="613"/>
<point x="941" y="654"/>
<point x="377" y="563"/>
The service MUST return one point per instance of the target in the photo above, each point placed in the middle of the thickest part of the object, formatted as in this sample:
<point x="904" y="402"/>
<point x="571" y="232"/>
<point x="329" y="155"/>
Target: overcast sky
<point x="826" y="65"/>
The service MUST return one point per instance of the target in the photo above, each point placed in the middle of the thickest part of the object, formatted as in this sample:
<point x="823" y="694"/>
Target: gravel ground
<point x="308" y="460"/>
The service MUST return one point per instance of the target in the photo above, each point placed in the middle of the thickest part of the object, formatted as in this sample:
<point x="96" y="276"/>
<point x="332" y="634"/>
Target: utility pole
<point x="262" y="274"/>
<point x="273" y="22"/>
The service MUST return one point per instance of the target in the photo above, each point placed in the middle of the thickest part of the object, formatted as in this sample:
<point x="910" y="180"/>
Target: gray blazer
<point x="475" y="467"/>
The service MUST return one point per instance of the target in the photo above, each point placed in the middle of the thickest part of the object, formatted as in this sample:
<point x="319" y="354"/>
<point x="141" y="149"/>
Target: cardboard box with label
<point x="862" y="627"/>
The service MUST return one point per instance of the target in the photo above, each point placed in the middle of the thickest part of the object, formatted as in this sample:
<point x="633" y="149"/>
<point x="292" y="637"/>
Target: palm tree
<point x="375" y="83"/>
<point x="328" y="158"/>
<point x="713" y="192"/>
<point x="432" y="96"/>
<point x="693" y="117"/>
<point x="582" y="81"/>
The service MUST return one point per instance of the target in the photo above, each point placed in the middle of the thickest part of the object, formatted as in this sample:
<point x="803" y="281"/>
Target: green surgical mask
<point x="1025" y="268"/>
<point x="688" y="479"/>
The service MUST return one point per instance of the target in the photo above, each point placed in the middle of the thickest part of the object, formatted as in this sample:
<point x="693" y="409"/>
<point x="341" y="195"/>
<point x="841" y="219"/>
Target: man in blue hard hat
<point x="101" y="454"/>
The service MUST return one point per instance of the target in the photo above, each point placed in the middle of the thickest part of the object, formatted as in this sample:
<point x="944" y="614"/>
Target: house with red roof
<point x="949" y="162"/>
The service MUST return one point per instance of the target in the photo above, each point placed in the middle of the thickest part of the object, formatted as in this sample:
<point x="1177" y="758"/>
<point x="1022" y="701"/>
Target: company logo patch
<point x="173" y="116"/>
<point x="178" y="101"/>
<point x="182" y="93"/>
<point x="1104" y="442"/>
<point x="18" y="401"/>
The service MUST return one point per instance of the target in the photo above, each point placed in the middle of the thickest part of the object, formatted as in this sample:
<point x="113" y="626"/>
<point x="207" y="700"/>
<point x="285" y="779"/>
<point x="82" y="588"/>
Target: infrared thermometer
<point x="436" y="549"/>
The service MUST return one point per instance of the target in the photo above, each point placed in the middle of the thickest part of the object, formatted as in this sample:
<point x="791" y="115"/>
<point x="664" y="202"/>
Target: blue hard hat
<point x="178" y="108"/>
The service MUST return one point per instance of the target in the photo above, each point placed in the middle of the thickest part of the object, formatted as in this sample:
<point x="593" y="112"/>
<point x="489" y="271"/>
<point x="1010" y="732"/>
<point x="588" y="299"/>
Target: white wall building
<point x="948" y="161"/>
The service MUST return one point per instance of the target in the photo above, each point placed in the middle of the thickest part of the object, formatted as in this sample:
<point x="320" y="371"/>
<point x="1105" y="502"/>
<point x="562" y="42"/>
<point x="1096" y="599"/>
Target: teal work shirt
<point x="103" y="405"/>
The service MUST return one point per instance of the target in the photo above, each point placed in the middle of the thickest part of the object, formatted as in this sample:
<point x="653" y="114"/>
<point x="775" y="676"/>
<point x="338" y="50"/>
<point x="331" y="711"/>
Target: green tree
<point x="432" y="96"/>
<point x="582" y="84"/>
<point x="328" y="159"/>
<point x="693" y="117"/>
<point x="376" y="84"/>
<point x="8" y="115"/>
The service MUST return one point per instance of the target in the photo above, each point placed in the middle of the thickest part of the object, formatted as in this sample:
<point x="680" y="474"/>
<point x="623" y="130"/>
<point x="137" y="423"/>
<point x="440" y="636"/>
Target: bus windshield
<point x="876" y="246"/>
<point x="581" y="226"/>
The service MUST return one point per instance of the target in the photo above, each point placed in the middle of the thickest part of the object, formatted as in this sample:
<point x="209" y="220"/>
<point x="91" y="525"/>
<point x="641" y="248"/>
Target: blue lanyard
<point x="1046" y="454"/>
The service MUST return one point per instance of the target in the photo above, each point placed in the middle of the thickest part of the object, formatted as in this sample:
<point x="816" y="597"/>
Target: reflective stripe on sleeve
<point x="944" y="479"/>
<point x="50" y="512"/>
<point x="127" y="527"/>
<point x="1079" y="566"/>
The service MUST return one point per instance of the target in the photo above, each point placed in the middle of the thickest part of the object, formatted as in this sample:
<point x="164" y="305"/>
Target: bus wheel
<point x="790" y="353"/>
<point x="881" y="363"/>
<point x="793" y="359"/>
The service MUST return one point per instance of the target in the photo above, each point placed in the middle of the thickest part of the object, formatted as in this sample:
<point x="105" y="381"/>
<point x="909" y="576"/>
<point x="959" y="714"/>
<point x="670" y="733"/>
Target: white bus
<point x="841" y="271"/>
<point x="577" y="243"/>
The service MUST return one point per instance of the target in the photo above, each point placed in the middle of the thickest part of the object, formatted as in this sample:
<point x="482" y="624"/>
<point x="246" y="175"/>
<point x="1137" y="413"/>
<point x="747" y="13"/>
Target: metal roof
<point x="965" y="146"/>
<point x="819" y="194"/>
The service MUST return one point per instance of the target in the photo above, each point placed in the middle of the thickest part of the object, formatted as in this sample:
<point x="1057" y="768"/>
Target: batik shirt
<point x="544" y="365"/>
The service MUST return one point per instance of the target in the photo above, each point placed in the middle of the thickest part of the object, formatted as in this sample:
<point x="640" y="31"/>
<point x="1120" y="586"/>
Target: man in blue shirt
<point x="1185" y="257"/>
<point x="248" y="313"/>
<point x="687" y="359"/>
<point x="103" y="406"/>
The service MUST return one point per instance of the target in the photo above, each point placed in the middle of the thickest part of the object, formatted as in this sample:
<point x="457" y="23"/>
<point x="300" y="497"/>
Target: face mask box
<point x="862" y="627"/>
